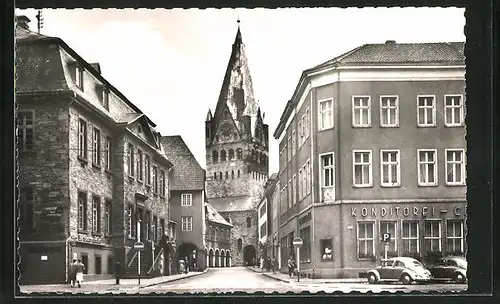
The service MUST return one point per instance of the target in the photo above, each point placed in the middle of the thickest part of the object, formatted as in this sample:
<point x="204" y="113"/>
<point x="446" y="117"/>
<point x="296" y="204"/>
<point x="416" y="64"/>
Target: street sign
<point x="297" y="242"/>
<point x="386" y="237"/>
<point x="139" y="246"/>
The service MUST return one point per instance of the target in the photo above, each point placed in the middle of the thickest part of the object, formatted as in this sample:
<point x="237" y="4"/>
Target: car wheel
<point x="406" y="279"/>
<point x="459" y="278"/>
<point x="372" y="279"/>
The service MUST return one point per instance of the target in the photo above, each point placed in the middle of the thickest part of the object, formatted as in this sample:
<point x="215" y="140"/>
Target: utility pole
<point x="39" y="19"/>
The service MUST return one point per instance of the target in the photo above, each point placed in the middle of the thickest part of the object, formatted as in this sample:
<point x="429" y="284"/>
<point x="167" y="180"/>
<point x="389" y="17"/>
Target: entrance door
<point x="249" y="254"/>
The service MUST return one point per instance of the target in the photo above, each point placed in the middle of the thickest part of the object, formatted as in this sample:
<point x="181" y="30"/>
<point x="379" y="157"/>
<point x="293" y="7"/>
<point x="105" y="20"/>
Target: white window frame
<point x="187" y="223"/>
<point x="301" y="184"/>
<point x="289" y="149"/>
<point x="462" y="164"/>
<point x="461" y="117"/>
<point x="108" y="152"/>
<point x="23" y="127"/>
<point x="105" y="98"/>
<point x="79" y="74"/>
<point x="432" y="238"/>
<point x="358" y="239"/>
<point x="385" y="109"/>
<point x="389" y="164"/>
<point x="410" y="237"/>
<point x="96" y="201"/>
<point x="331" y="168"/>
<point x="294" y="142"/>
<point x="82" y="138"/>
<point x="131" y="160"/>
<point x="427" y="184"/>
<point x="290" y="194"/>
<point x="308" y="177"/>
<point x="424" y="125"/>
<point x="140" y="166"/>
<point x="108" y="205"/>
<point x="130" y="222"/>
<point x="307" y="123"/>
<point x="393" y="237"/>
<point x="370" y="164"/>
<point x="294" y="192"/>
<point x="186" y="199"/>
<point x="368" y="108"/>
<point x="461" y="237"/>
<point x="302" y="130"/>
<point x="96" y="146"/>
<point x="322" y="125"/>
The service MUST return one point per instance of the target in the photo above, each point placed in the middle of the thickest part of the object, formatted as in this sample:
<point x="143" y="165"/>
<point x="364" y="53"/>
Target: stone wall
<point x="248" y="235"/>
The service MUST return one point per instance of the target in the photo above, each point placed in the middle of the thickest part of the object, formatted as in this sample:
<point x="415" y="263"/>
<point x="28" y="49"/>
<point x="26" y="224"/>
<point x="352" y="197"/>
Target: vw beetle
<point x="451" y="268"/>
<point x="404" y="269"/>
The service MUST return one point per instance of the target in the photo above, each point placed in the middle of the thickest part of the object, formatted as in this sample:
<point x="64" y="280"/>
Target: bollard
<point x="117" y="272"/>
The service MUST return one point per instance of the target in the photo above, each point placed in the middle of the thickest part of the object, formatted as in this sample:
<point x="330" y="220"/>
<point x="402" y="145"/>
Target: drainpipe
<point x="337" y="156"/>
<point x="313" y="156"/>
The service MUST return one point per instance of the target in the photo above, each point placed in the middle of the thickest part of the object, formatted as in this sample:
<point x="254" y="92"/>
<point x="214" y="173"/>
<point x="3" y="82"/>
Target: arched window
<point x="231" y="154"/>
<point x="216" y="233"/>
<point x="223" y="155"/>
<point x="215" y="156"/>
<point x="238" y="172"/>
<point x="232" y="174"/>
<point x="249" y="222"/>
<point x="240" y="244"/>
<point x="220" y="175"/>
<point x="239" y="154"/>
<point x="227" y="174"/>
<point x="215" y="175"/>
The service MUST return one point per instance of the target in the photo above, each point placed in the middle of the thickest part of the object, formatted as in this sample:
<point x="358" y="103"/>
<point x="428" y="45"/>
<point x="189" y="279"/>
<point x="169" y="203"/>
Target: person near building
<point x="72" y="273"/>
<point x="186" y="268"/>
<point x="79" y="268"/>
<point x="291" y="266"/>
<point x="261" y="264"/>
<point x="273" y="265"/>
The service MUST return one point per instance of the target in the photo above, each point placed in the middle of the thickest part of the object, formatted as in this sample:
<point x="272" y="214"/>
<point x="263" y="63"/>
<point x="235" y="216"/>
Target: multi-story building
<point x="217" y="238"/>
<point x="90" y="166"/>
<point x="237" y="146"/>
<point x="275" y="223"/>
<point x="265" y="214"/>
<point x="187" y="201"/>
<point x="373" y="142"/>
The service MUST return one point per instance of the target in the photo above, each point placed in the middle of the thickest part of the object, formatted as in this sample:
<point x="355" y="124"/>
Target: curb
<point x="340" y="281"/>
<point x="275" y="278"/>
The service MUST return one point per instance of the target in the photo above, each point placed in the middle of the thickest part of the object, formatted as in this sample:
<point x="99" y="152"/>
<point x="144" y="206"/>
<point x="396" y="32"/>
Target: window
<point x="301" y="183"/>
<point x="305" y="249"/>
<point x="187" y="223"/>
<point x="107" y="153"/>
<point x="290" y="194"/>
<point x="365" y="238"/>
<point x="389" y="227"/>
<point x="96" y="214"/>
<point x="432" y="236"/>
<point x="96" y="146"/>
<point x="282" y="159"/>
<point x="154" y="228"/>
<point x="25" y="131"/>
<point x="410" y="236"/>
<point x="110" y="265"/>
<point x="389" y="111"/>
<point x="426" y="111"/>
<point x="289" y="149"/>
<point x="362" y="168"/>
<point x="294" y="142"/>
<point x="82" y="138"/>
<point x="263" y="230"/>
<point x="107" y="217"/>
<point x="326" y="250"/>
<point x="327" y="177"/>
<point x="130" y="160"/>
<point x="79" y="77"/>
<point x="139" y="165"/>
<point x="98" y="264"/>
<point x="427" y="168"/>
<point x="220" y="175"/>
<point x="82" y="211"/>
<point x="105" y="98"/>
<point x="249" y="222"/>
<point x="155" y="179"/>
<point x="300" y="125"/>
<point x="85" y="262"/>
<point x="223" y="155"/>
<point x="294" y="191"/>
<point x="308" y="177"/>
<point x="390" y="168"/>
<point x="186" y="199"/>
<point x="231" y="154"/>
<point x="325" y="114"/>
<point x="26" y="208"/>
<point x="130" y="223"/>
<point x="455" y="237"/>
<point x="215" y="175"/>
<point x="147" y="168"/>
<point x="215" y="156"/>
<point x="307" y="123"/>
<point x="227" y="174"/>
<point x="162" y="228"/>
<point x="239" y="153"/>
<point x="453" y="110"/>
<point x="162" y="183"/>
<point x="240" y="244"/>
<point x="455" y="167"/>
<point x="361" y="111"/>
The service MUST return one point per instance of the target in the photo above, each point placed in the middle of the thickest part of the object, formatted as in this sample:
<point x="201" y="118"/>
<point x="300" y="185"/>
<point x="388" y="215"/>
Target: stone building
<point x="217" y="238"/>
<point x="237" y="145"/>
<point x="266" y="235"/>
<point x="90" y="166"/>
<point x="373" y="142"/>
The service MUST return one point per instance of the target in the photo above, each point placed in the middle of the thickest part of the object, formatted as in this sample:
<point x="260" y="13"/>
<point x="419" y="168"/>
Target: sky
<point x="171" y="63"/>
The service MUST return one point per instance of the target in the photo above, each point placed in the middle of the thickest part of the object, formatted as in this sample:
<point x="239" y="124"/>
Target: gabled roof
<point x="214" y="216"/>
<point x="230" y="204"/>
<point x="187" y="174"/>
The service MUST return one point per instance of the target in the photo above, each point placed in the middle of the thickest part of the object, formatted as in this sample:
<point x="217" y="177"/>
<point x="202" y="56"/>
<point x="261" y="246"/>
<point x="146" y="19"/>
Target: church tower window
<point x="239" y="154"/>
<point x="215" y="156"/>
<point x="223" y="155"/>
<point x="231" y="154"/>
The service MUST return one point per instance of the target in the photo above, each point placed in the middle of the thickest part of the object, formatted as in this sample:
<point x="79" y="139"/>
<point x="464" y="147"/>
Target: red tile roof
<point x="187" y="174"/>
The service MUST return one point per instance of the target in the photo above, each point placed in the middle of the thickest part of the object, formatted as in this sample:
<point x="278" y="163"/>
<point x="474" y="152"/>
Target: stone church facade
<point x="237" y="154"/>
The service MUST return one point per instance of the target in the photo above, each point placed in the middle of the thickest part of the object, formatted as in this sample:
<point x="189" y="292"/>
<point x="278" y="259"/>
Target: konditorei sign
<point x="405" y="211"/>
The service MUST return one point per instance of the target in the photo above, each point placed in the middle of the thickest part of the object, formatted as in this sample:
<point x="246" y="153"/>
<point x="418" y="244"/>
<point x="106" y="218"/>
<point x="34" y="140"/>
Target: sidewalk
<point x="283" y="277"/>
<point x="107" y="285"/>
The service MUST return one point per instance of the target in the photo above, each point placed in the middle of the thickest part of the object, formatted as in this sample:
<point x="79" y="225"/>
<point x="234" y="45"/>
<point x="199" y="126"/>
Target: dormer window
<point x="105" y="98"/>
<point x="79" y="77"/>
<point x="139" y="129"/>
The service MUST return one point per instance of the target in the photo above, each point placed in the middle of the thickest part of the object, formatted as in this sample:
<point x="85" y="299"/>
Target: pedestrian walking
<point x="72" y="273"/>
<point x="79" y="268"/>
<point x="273" y="265"/>
<point x="261" y="264"/>
<point x="268" y="264"/>
<point x="291" y="266"/>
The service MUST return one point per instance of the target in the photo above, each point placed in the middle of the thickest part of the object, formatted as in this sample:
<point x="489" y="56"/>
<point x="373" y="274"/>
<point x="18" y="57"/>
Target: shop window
<point x="410" y="237"/>
<point x="432" y="236"/>
<point x="389" y="227"/>
<point x="455" y="237"/>
<point x="98" y="264"/>
<point x="365" y="240"/>
<point x="326" y="250"/>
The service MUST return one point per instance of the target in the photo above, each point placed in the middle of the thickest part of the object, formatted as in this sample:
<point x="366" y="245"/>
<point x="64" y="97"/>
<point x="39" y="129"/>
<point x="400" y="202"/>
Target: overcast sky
<point x="171" y="63"/>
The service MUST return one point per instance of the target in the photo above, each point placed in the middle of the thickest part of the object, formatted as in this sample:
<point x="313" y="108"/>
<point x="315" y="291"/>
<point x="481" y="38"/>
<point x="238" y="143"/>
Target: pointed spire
<point x="238" y="39"/>
<point x="209" y="115"/>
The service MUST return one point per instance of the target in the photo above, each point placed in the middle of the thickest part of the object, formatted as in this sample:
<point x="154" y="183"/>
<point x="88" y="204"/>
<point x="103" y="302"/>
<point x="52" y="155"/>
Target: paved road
<point x="236" y="279"/>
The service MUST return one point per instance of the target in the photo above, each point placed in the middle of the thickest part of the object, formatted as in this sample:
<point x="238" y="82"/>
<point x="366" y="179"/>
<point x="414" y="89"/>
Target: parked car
<point x="451" y="268"/>
<point x="404" y="269"/>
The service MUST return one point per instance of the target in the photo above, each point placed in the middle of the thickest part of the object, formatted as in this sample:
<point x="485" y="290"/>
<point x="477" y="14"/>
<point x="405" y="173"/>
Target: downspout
<point x="67" y="243"/>
<point x="313" y="189"/>
<point x="339" y="162"/>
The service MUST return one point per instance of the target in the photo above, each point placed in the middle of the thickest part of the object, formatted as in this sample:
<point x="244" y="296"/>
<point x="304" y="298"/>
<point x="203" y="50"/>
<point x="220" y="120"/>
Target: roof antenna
<point x="39" y="18"/>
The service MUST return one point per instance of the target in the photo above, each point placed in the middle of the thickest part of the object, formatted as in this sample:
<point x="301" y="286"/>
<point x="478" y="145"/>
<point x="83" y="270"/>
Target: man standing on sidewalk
<point x="291" y="266"/>
<point x="79" y="268"/>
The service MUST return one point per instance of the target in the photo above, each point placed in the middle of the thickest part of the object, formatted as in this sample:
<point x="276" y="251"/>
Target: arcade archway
<point x="223" y="258"/>
<point x="228" y="263"/>
<point x="211" y="258"/>
<point x="249" y="254"/>
<point x="217" y="258"/>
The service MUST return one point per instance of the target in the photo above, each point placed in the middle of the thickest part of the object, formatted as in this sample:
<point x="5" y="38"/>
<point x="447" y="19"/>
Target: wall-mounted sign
<point x="403" y="211"/>
<point x="44" y="258"/>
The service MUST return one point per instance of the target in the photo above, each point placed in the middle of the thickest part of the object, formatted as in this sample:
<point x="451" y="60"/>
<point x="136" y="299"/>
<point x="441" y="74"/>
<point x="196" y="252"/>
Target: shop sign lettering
<point x="401" y="211"/>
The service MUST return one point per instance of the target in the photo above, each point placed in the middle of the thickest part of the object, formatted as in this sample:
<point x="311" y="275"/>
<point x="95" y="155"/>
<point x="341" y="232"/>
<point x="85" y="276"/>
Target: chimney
<point x="23" y="22"/>
<point x="390" y="42"/>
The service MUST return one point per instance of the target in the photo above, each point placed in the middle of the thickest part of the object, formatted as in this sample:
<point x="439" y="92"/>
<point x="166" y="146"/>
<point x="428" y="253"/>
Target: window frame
<point x="426" y="125"/>
<point x="108" y="207"/>
<point x="155" y="178"/>
<point x="25" y="127"/>
<point x="387" y="108"/>
<point x="426" y="184"/>
<point x="461" y="106"/>
<point x="463" y="164"/>
<point x="163" y="183"/>
<point x="461" y="237"/>
<point x="393" y="237"/>
<point x="294" y="192"/>
<point x="96" y="214"/>
<point x="139" y="165"/>
<point x="294" y="142"/>
<point x="96" y="146"/>
<point x="186" y="199"/>
<point x="321" y="124"/>
<point x="389" y="164"/>
<point x="82" y="225"/>
<point x="330" y="167"/>
<point x="82" y="139"/>
<point x="186" y="223"/>
<point x="108" y="152"/>
<point x="131" y="160"/>
<point x="79" y="74"/>
<point x="370" y="169"/>
<point x="358" y="239"/>
<point x="410" y="238"/>
<point x="353" y="110"/>
<point x="432" y="238"/>
<point x="147" y="168"/>
<point x="105" y="98"/>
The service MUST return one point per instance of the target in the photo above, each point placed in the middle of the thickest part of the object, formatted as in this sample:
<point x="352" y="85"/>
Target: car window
<point x="399" y="264"/>
<point x="417" y="264"/>
<point x="387" y="263"/>
<point x="441" y="263"/>
<point x="451" y="263"/>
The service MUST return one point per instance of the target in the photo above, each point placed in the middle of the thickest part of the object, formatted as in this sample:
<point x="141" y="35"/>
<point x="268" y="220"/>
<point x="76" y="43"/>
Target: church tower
<point x="237" y="154"/>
